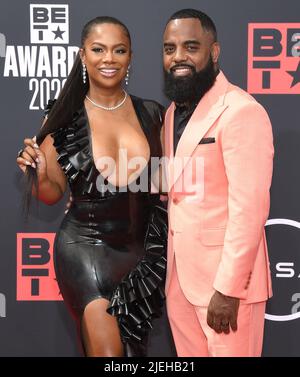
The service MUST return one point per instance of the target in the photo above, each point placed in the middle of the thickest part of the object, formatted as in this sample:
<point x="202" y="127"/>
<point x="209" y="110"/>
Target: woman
<point x="109" y="250"/>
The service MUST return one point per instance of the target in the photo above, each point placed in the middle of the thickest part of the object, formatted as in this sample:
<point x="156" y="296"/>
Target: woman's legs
<point x="99" y="331"/>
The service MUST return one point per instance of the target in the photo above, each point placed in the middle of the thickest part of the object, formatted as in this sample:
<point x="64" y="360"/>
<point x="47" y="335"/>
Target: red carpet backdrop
<point x="260" y="43"/>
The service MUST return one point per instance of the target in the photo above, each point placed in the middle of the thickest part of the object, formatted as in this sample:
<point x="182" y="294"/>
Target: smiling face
<point x="188" y="47"/>
<point x="106" y="52"/>
<point x="190" y="60"/>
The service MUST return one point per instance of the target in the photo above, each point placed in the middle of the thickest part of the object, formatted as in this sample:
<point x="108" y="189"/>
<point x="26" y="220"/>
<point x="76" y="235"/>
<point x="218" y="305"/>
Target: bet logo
<point x="35" y="269"/>
<point x="49" y="24"/>
<point x="274" y="58"/>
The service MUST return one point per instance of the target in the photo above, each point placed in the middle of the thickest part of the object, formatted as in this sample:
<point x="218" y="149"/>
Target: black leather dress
<point x="111" y="243"/>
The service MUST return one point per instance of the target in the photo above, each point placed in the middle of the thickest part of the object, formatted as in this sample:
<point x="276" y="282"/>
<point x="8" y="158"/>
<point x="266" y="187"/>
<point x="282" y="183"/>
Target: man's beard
<point x="190" y="88"/>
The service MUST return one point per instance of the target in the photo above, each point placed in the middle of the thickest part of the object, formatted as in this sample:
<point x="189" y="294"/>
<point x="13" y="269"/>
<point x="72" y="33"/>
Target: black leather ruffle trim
<point x="74" y="155"/>
<point x="138" y="298"/>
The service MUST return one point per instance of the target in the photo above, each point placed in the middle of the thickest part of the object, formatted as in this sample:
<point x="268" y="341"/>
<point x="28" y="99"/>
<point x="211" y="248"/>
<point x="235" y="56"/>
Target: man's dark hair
<point x="206" y="22"/>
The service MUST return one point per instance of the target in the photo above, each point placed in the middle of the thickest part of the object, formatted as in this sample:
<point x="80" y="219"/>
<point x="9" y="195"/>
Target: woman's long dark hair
<point x="69" y="100"/>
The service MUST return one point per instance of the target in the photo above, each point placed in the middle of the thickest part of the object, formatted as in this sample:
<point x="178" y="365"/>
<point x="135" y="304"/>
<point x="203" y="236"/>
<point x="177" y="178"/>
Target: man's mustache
<point x="182" y="66"/>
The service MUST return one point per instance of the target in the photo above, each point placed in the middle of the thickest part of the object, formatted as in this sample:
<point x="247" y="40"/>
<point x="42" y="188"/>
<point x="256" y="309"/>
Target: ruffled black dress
<point x="111" y="243"/>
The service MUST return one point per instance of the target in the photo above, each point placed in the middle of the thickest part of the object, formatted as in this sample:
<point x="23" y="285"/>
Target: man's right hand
<point x="222" y="313"/>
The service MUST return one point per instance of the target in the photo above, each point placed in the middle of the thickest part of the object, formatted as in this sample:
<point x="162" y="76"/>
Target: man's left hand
<point x="222" y="313"/>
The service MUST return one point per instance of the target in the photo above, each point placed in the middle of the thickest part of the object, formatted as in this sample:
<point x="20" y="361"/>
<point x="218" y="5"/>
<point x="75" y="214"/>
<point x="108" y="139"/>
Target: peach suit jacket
<point x="216" y="232"/>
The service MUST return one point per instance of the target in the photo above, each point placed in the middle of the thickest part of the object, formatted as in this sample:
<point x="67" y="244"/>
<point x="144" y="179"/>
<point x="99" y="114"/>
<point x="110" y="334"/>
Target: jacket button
<point x="175" y="201"/>
<point x="172" y="232"/>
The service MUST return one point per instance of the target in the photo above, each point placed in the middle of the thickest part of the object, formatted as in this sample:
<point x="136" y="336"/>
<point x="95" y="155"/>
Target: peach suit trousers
<point x="193" y="337"/>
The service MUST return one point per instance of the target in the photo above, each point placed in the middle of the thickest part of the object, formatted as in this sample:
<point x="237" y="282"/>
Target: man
<point x="218" y="277"/>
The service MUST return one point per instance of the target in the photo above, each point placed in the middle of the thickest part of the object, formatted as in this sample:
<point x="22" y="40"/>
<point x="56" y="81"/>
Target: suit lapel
<point x="206" y="113"/>
<point x="169" y="131"/>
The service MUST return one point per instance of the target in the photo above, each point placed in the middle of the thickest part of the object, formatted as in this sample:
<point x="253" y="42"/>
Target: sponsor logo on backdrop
<point x="274" y="58"/>
<point x="49" y="24"/>
<point x="47" y="61"/>
<point x="2" y="305"/>
<point x="35" y="269"/>
<point x="285" y="267"/>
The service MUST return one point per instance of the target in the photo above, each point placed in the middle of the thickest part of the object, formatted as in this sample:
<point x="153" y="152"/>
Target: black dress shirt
<point x="182" y="115"/>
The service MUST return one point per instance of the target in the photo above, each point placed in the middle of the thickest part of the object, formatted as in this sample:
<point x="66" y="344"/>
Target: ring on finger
<point x="224" y="324"/>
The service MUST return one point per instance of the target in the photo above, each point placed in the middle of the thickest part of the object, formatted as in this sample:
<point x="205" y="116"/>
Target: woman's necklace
<point x="109" y="108"/>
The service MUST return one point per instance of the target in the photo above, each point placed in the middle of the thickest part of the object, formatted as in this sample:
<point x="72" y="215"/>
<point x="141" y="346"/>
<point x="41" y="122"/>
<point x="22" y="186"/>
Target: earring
<point x="83" y="73"/>
<point x="127" y="76"/>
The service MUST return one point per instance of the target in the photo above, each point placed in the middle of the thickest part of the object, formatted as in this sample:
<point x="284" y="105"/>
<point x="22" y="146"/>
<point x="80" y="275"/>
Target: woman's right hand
<point x="34" y="157"/>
